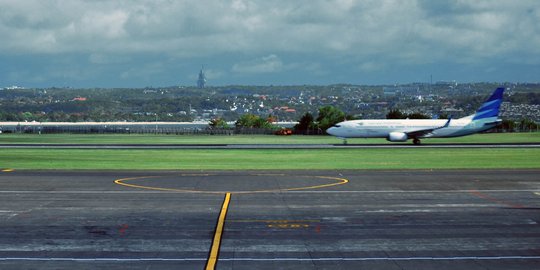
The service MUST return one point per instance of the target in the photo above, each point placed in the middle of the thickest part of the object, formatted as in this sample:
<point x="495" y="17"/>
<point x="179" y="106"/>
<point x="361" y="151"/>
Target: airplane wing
<point x="497" y="122"/>
<point x="423" y="132"/>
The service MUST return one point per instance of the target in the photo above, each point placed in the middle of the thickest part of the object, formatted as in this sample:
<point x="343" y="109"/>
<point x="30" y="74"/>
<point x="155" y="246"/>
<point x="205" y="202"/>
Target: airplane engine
<point x="397" y="137"/>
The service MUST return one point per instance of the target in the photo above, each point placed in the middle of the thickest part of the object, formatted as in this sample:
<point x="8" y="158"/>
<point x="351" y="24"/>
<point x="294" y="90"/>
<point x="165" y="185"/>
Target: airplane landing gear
<point x="416" y="141"/>
<point x="344" y="141"/>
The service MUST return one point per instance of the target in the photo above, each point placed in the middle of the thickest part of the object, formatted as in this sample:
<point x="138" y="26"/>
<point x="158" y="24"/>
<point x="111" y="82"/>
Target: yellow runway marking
<point x="339" y="181"/>
<point x="214" y="251"/>
<point x="288" y="226"/>
<point x="280" y="223"/>
<point x="8" y="170"/>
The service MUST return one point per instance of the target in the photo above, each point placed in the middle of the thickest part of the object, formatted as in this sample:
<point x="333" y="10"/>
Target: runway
<point x="473" y="219"/>
<point x="266" y="146"/>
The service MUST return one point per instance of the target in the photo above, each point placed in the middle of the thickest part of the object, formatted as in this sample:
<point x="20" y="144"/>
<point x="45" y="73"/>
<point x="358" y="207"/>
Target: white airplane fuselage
<point x="382" y="128"/>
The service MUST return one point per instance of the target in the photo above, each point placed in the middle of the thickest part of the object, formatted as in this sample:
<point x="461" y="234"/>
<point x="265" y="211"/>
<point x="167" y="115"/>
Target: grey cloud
<point x="191" y="28"/>
<point x="267" y="64"/>
<point x="371" y="35"/>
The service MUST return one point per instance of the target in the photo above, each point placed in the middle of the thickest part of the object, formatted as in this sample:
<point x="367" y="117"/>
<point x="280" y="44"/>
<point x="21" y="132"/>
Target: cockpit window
<point x="337" y="126"/>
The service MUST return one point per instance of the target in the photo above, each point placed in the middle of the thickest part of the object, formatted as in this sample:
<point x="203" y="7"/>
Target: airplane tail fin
<point x="490" y="108"/>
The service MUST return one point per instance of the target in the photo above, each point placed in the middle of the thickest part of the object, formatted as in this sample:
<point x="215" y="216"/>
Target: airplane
<point x="400" y="130"/>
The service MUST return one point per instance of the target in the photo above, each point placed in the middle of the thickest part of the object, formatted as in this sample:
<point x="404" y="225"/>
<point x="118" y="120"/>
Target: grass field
<point x="413" y="158"/>
<point x="243" y="139"/>
<point x="312" y="159"/>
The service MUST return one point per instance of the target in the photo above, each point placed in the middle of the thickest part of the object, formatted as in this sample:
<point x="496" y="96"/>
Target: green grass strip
<point x="532" y="137"/>
<point x="414" y="158"/>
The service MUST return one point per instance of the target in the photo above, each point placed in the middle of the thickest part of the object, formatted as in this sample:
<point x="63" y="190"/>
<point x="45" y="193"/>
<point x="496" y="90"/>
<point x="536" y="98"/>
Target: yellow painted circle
<point x="335" y="182"/>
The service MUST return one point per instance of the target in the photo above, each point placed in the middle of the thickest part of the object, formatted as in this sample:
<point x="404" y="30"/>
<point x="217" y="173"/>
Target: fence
<point x="130" y="128"/>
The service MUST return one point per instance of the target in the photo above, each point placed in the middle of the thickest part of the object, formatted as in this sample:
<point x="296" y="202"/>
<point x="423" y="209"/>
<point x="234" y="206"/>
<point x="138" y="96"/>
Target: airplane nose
<point x="331" y="131"/>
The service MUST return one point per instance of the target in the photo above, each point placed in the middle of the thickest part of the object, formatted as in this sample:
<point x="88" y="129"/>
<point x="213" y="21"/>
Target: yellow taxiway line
<point x="214" y="251"/>
<point x="122" y="182"/>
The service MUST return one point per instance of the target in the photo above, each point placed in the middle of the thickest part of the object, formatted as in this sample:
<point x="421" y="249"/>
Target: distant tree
<point x="11" y="117"/>
<point x="395" y="114"/>
<point x="218" y="123"/>
<point x="262" y="123"/>
<point x="73" y="117"/>
<point x="271" y="118"/>
<point x="507" y="126"/>
<point x="252" y="121"/>
<point x="27" y="116"/>
<point x="304" y="124"/>
<point x="246" y="120"/>
<point x="351" y="117"/>
<point x="443" y="116"/>
<point x="329" y="116"/>
<point x="528" y="125"/>
<point x="418" y="116"/>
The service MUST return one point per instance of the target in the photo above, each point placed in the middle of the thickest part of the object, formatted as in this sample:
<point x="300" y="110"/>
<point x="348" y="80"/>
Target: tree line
<point x="308" y="124"/>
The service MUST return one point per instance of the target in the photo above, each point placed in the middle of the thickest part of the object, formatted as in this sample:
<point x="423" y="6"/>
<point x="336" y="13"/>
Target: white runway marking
<point x="305" y="191"/>
<point x="78" y="192"/>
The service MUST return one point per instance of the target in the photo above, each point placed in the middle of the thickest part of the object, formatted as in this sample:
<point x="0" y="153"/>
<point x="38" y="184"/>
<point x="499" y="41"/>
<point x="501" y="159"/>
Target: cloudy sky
<point x="135" y="43"/>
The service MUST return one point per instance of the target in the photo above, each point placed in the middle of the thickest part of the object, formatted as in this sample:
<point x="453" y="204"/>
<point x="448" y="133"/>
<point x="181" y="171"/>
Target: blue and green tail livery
<point x="490" y="108"/>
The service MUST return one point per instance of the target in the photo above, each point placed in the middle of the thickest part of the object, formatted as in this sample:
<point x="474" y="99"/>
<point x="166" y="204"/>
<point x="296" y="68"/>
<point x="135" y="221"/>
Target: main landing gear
<point x="416" y="141"/>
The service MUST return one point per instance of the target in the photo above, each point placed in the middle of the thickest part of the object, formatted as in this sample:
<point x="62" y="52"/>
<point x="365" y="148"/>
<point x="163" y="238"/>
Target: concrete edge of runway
<point x="266" y="146"/>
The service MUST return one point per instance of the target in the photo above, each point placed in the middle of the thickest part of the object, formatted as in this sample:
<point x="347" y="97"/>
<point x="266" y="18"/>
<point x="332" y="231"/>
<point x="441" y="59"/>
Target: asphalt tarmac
<point x="470" y="219"/>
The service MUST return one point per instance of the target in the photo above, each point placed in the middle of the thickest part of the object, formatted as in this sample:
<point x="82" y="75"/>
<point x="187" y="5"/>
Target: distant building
<point x="14" y="87"/>
<point x="201" y="82"/>
<point x="390" y="91"/>
<point x="446" y="84"/>
<point x="394" y="90"/>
